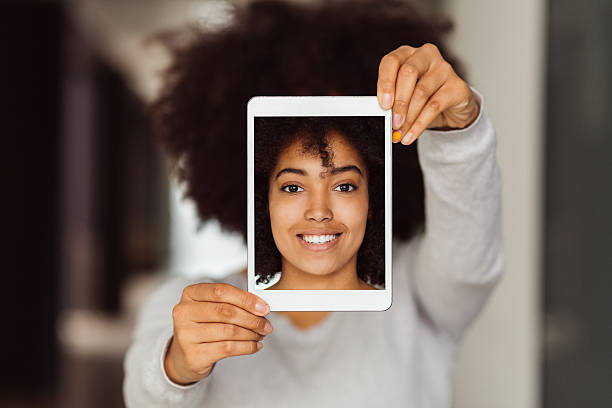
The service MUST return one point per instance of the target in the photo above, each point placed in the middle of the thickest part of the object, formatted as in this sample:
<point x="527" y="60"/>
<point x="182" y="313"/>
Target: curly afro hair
<point x="365" y="135"/>
<point x="276" y="48"/>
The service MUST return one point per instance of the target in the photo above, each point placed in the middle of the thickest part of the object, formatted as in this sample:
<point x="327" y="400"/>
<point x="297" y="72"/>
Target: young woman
<point x="446" y="216"/>
<point x="319" y="213"/>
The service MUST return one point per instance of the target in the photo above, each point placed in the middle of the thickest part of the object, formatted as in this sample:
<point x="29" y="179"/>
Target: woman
<point x="446" y="217"/>
<point x="319" y="193"/>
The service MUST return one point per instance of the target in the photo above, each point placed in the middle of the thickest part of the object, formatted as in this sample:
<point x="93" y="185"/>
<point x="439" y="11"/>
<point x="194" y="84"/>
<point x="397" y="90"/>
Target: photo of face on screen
<point x="319" y="203"/>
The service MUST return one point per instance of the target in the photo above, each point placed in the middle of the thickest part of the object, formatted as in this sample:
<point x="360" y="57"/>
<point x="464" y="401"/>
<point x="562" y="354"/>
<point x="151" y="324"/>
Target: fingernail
<point x="397" y="120"/>
<point x="259" y="345"/>
<point x="397" y="136"/>
<point x="387" y="100"/>
<point x="406" y="140"/>
<point x="261" y="308"/>
<point x="267" y="328"/>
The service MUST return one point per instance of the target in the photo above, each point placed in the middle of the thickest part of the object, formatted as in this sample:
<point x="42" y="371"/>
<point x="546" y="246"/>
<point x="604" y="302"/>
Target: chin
<point x="317" y="270"/>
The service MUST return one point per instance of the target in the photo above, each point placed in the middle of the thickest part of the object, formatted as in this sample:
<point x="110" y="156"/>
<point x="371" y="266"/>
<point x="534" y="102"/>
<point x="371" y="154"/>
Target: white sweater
<point x="402" y="357"/>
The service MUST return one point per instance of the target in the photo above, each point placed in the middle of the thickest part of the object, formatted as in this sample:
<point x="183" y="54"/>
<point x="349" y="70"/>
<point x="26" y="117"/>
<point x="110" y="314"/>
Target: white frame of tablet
<point x="318" y="300"/>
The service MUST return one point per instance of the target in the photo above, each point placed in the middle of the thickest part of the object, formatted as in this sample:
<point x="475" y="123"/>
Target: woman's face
<point x="318" y="215"/>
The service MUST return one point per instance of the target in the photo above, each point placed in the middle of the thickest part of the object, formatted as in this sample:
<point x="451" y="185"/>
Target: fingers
<point x="224" y="293"/>
<point x="210" y="312"/>
<point x="212" y="332"/>
<point x="228" y="348"/>
<point x="199" y="358"/>
<point x="425" y="88"/>
<point x="387" y="74"/>
<point x="407" y="77"/>
<point x="434" y="106"/>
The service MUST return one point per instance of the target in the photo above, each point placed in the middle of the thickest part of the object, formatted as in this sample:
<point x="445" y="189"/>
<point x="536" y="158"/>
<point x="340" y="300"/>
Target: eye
<point x="345" y="188"/>
<point x="292" y="188"/>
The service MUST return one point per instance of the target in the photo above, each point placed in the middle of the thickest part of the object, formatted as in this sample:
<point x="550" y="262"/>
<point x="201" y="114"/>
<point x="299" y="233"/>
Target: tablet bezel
<point x="310" y="106"/>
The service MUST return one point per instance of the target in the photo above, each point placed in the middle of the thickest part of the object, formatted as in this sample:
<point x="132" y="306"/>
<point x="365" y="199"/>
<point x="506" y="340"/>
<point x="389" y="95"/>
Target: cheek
<point x="353" y="213"/>
<point x="283" y="215"/>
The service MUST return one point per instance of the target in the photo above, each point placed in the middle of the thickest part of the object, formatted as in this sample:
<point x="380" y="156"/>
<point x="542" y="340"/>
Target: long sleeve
<point x="460" y="256"/>
<point x="146" y="383"/>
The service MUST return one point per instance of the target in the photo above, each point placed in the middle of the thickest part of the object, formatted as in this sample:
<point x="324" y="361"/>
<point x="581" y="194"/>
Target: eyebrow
<point x="290" y="170"/>
<point x="350" y="167"/>
<point x="335" y="170"/>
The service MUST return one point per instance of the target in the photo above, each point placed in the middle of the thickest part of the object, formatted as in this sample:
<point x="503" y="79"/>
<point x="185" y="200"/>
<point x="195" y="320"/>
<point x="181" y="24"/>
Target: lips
<point x="320" y="241"/>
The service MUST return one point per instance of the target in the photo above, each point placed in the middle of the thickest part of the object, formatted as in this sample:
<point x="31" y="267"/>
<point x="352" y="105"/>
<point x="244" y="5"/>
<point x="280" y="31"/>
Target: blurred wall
<point x="502" y="44"/>
<point x="577" y="360"/>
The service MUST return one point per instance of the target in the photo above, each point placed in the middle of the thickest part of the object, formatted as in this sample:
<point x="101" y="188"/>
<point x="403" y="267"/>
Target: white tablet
<point x="319" y="203"/>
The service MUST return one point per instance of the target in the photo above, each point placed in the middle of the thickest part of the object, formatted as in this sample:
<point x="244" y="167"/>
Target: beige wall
<point x="502" y="45"/>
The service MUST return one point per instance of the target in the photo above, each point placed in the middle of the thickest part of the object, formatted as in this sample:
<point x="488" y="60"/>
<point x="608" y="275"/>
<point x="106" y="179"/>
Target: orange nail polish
<point x="397" y="136"/>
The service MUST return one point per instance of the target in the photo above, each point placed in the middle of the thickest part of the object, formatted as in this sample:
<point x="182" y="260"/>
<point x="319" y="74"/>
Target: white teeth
<point x="318" y="239"/>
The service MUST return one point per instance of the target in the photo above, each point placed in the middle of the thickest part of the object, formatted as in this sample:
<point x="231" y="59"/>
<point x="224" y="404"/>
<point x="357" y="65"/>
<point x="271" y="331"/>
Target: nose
<point x="318" y="209"/>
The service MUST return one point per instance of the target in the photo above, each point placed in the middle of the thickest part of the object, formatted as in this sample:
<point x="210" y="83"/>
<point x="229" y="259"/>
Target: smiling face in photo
<point x="318" y="214"/>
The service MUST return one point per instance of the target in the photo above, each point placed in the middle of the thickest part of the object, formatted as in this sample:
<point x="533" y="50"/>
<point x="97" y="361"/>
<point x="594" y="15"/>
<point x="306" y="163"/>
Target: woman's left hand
<point x="424" y="92"/>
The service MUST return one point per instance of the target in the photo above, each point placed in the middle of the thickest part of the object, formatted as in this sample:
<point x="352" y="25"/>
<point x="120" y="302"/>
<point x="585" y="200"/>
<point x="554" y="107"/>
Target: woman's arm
<point x="459" y="258"/>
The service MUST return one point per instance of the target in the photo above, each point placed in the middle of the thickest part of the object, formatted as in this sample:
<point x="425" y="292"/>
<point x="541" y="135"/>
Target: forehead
<point x="341" y="152"/>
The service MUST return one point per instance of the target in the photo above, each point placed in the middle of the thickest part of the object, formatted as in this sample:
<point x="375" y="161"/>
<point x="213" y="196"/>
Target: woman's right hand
<point x="213" y="321"/>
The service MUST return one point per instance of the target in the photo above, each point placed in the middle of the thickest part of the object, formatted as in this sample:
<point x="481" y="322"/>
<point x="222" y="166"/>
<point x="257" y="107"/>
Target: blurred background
<point x="94" y="224"/>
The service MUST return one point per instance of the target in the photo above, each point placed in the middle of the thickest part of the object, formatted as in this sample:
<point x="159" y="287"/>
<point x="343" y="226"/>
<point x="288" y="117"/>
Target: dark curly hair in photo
<point x="364" y="134"/>
<point x="282" y="49"/>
